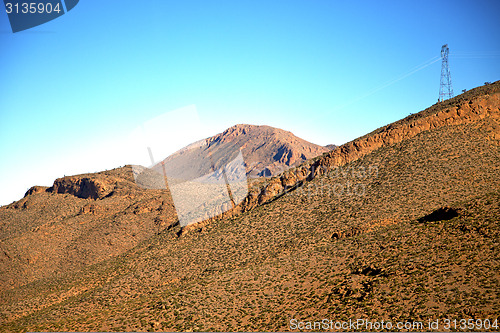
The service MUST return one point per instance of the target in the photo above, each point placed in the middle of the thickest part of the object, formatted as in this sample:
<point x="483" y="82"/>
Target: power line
<point x="392" y="81"/>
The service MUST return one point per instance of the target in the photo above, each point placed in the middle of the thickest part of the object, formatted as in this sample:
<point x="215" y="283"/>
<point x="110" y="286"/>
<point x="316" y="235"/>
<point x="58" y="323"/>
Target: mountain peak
<point x="267" y="151"/>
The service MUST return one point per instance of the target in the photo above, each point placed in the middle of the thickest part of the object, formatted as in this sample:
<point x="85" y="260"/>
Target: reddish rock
<point x="36" y="189"/>
<point x="82" y="187"/>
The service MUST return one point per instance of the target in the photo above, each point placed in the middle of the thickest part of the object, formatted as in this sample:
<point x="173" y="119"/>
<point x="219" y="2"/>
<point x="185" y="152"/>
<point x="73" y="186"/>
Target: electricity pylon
<point x="445" y="88"/>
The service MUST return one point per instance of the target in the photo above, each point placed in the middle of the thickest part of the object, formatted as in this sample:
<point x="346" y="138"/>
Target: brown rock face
<point x="36" y="189"/>
<point x="84" y="188"/>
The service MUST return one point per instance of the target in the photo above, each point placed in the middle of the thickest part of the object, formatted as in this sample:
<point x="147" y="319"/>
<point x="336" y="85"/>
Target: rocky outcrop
<point x="467" y="108"/>
<point x="82" y="187"/>
<point x="35" y="189"/>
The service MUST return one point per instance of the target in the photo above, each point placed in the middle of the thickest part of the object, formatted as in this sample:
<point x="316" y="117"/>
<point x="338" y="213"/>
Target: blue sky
<point x="72" y="90"/>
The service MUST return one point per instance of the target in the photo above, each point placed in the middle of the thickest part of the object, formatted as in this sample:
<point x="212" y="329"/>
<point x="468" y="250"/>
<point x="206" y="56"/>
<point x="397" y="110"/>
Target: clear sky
<point x="72" y="90"/>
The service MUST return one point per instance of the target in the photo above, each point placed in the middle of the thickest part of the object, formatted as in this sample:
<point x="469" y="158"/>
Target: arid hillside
<point x="78" y="221"/>
<point x="401" y="224"/>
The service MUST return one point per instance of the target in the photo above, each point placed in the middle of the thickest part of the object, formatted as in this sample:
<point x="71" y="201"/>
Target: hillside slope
<point x="78" y="221"/>
<point x="401" y="224"/>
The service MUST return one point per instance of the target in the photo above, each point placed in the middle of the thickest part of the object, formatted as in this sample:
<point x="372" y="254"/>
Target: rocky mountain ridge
<point x="267" y="151"/>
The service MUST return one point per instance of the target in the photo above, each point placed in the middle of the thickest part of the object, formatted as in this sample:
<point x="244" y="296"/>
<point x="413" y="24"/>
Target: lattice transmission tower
<point x="445" y="88"/>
